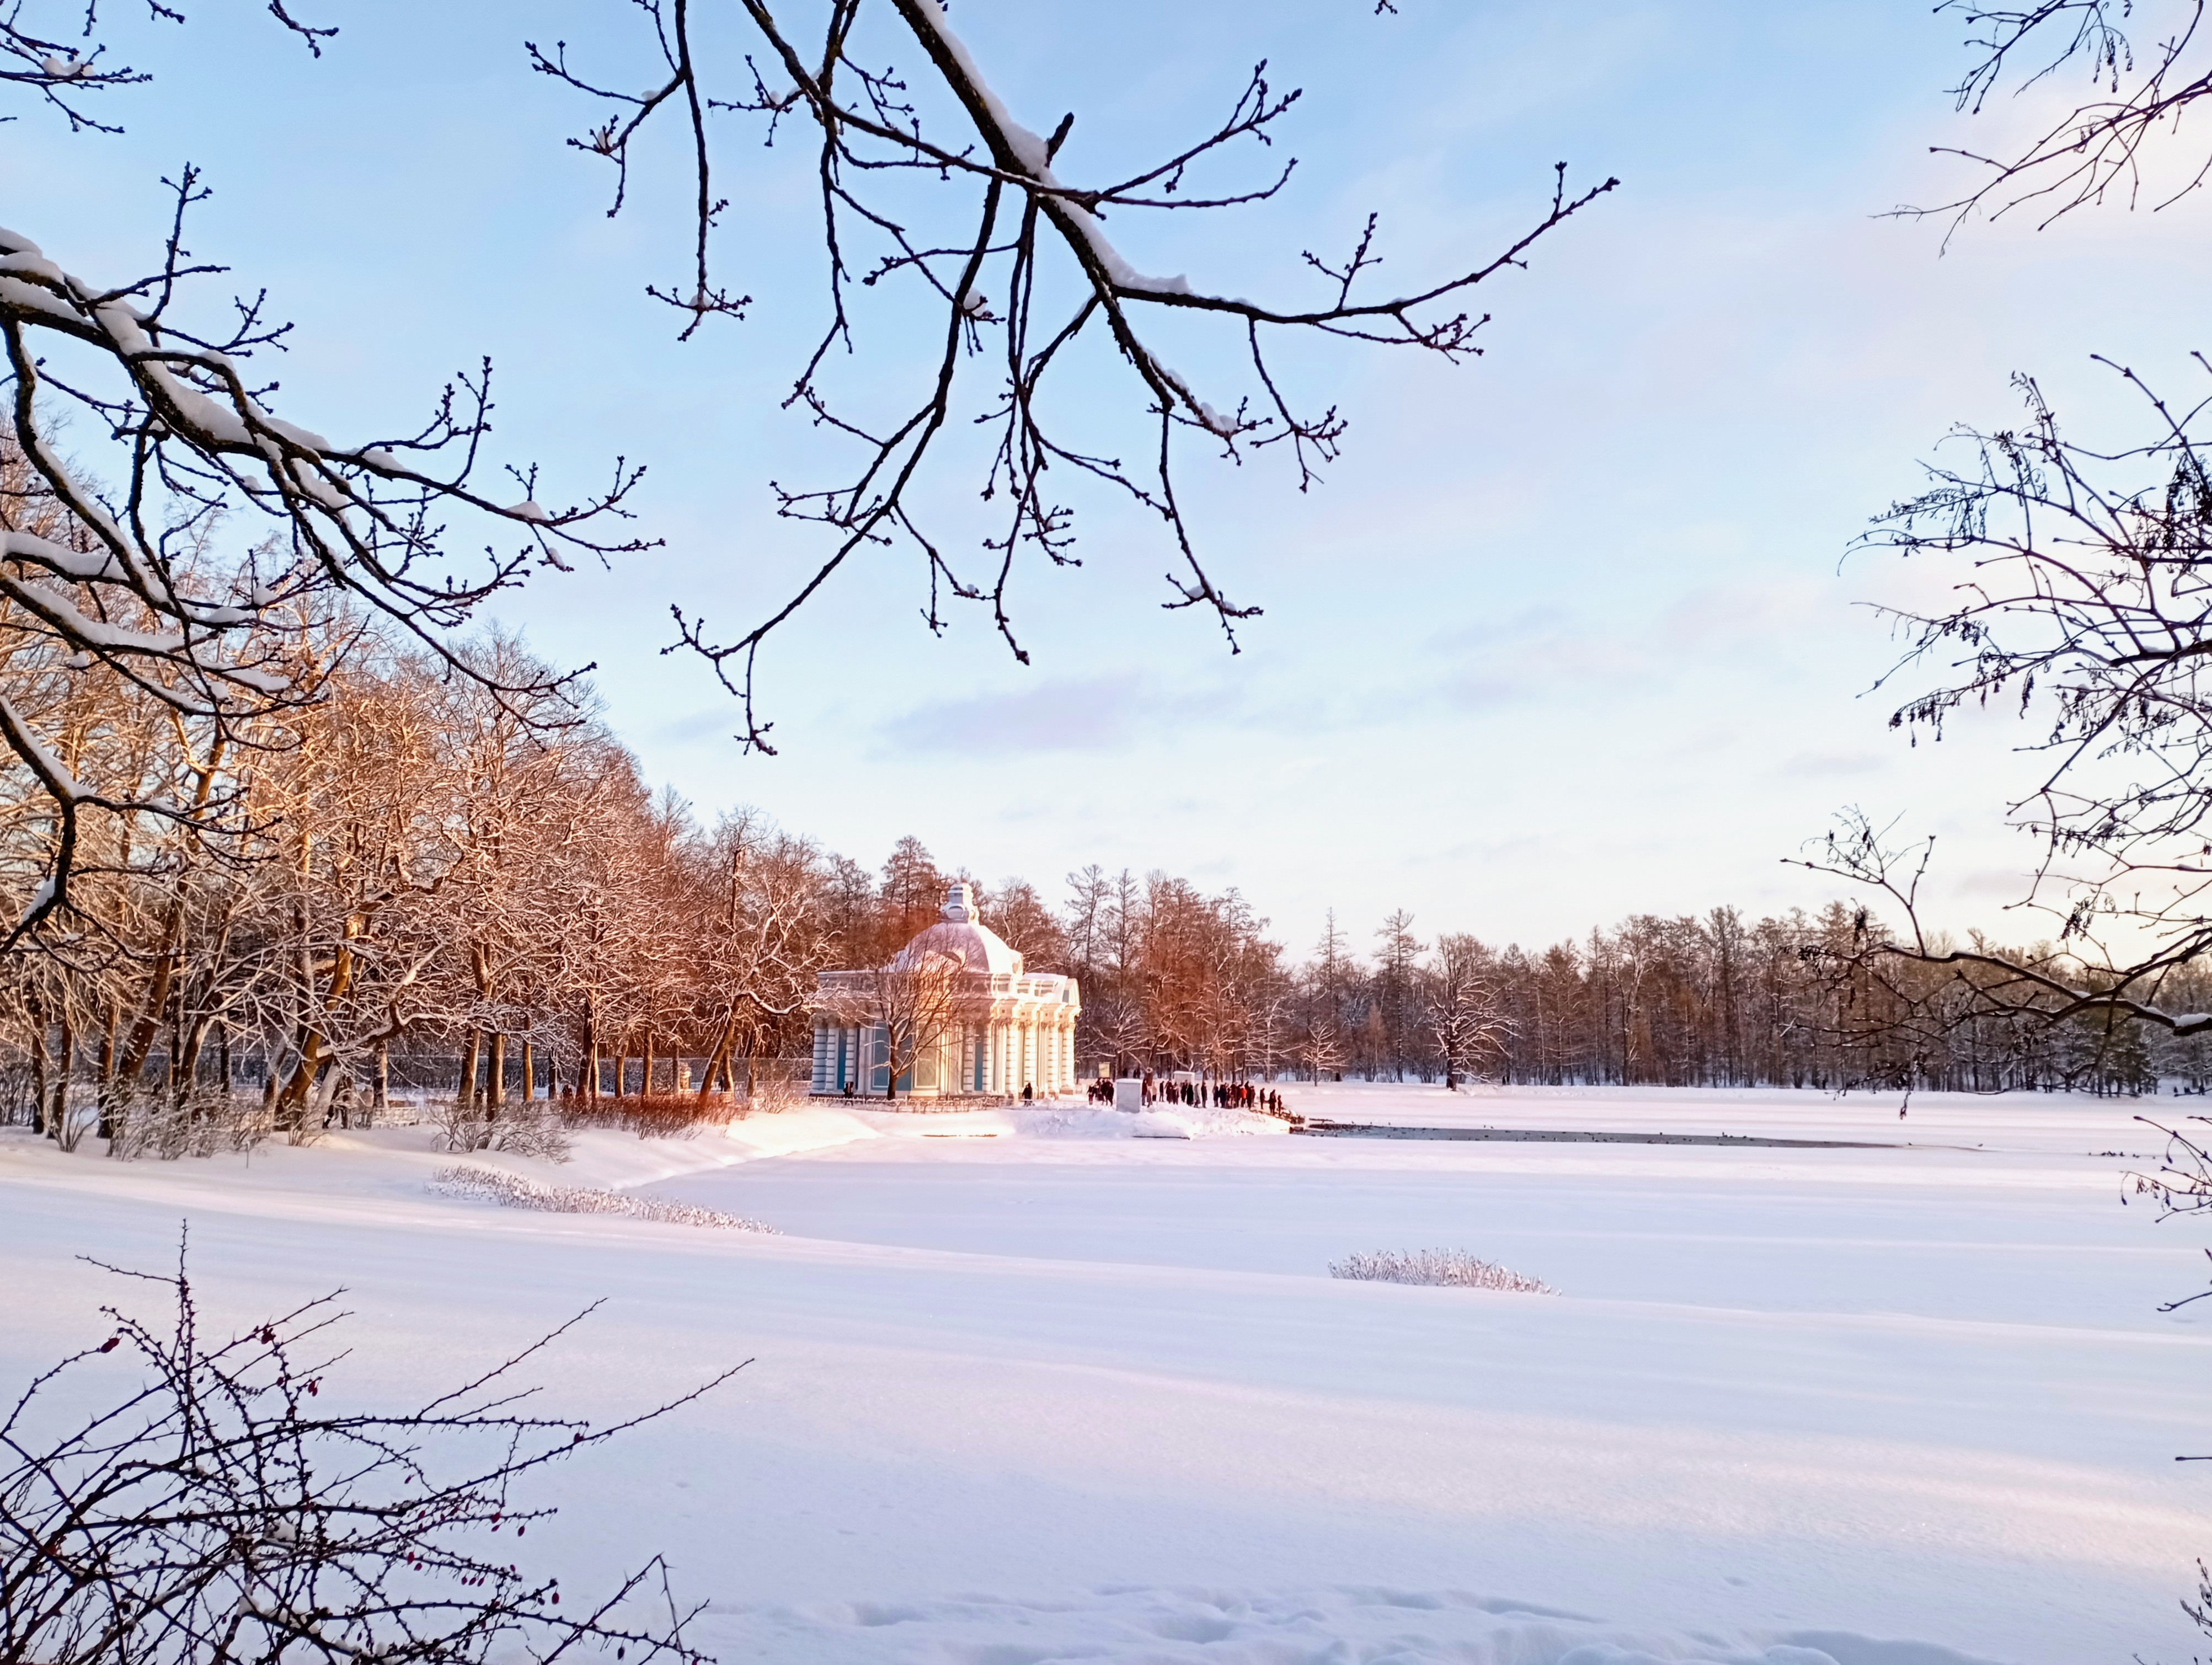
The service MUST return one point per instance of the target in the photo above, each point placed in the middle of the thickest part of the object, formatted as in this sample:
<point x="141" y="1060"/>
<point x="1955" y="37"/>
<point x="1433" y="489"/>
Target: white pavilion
<point x="1010" y="1028"/>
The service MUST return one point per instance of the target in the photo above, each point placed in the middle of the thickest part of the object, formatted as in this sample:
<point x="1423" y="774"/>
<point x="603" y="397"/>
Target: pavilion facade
<point x="1002" y="1029"/>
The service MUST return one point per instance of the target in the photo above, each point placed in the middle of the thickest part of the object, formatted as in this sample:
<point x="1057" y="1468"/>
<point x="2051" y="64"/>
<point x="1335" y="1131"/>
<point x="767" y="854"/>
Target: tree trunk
<point x="622" y="1064"/>
<point x="645" y="1079"/>
<point x="383" y="1080"/>
<point x="312" y="1058"/>
<point x="40" y="1123"/>
<point x="149" y="1024"/>
<point x="109" y="1044"/>
<point x="60" y="1113"/>
<point x="465" y="1094"/>
<point x="530" y="1073"/>
<point x="194" y="1048"/>
<point x="222" y="1057"/>
<point x="718" y="1061"/>
<point x="174" y="1082"/>
<point x="495" y="1081"/>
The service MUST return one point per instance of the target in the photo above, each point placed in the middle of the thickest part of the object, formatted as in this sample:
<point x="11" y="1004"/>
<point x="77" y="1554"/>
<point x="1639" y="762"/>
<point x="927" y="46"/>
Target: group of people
<point x="1224" y="1095"/>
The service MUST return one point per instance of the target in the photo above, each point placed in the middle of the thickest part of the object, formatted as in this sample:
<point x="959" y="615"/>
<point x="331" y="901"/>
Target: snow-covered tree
<point x="1466" y="1020"/>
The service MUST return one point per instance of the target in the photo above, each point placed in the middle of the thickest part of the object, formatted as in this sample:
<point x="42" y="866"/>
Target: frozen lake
<point x="1027" y="1391"/>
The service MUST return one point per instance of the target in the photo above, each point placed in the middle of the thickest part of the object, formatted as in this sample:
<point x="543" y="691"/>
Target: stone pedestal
<point x="1128" y="1093"/>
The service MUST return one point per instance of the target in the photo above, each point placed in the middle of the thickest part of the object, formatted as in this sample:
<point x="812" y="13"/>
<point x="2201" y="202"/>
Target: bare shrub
<point x="775" y="1089"/>
<point x="660" y="1116"/>
<point x="201" y="1124"/>
<point x="461" y="1125"/>
<point x="74" y="1115"/>
<point x="530" y="1128"/>
<point x="1454" y="1267"/>
<point x="525" y="1128"/>
<point x="510" y="1191"/>
<point x="212" y="1511"/>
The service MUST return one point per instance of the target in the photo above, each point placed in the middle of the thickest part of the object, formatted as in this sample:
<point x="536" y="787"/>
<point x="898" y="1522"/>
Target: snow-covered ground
<point x="1028" y="1387"/>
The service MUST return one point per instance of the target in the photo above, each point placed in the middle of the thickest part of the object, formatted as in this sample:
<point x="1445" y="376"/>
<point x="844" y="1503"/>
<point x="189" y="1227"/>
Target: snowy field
<point x="1028" y="1387"/>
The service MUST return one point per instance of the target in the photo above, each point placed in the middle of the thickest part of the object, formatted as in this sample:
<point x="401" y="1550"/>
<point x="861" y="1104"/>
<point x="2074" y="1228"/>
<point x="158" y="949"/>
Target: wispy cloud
<point x="1067" y="714"/>
<point x="1826" y="765"/>
<point x="716" y="724"/>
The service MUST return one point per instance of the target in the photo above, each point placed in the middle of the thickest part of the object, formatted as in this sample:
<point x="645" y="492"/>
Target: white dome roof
<point x="960" y="936"/>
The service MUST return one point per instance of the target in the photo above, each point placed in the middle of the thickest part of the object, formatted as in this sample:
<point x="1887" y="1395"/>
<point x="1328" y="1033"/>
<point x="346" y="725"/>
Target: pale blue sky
<point x="1564" y="636"/>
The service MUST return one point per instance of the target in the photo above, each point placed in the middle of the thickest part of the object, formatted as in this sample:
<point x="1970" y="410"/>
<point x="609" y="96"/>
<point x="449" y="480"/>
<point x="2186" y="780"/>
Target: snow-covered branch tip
<point x="65" y="71"/>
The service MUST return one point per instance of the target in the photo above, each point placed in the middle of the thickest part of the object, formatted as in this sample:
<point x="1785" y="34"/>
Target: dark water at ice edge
<point x="1321" y="1129"/>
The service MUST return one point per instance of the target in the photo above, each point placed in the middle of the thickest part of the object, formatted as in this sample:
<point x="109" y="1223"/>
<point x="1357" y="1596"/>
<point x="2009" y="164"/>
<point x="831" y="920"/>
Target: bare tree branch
<point x="2097" y="151"/>
<point x="1025" y="225"/>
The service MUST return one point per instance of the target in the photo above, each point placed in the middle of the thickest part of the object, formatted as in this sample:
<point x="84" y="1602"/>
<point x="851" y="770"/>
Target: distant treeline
<point x="414" y="879"/>
<point x="1710" y="1001"/>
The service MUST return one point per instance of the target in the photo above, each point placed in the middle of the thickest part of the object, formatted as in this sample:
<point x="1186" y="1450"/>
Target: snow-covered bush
<point x="1452" y="1266"/>
<point x="510" y="1191"/>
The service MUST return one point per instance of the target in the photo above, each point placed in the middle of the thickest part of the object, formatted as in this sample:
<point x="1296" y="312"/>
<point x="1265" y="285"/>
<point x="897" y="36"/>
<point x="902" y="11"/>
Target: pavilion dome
<point x="959" y="935"/>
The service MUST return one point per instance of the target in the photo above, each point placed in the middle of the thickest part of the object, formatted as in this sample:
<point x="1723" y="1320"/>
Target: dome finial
<point x="959" y="902"/>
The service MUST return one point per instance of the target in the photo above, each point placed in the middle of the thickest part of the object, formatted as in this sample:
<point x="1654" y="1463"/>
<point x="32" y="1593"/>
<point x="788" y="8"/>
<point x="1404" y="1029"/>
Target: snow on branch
<point x="62" y="71"/>
<point x="190" y="551"/>
<point x="1011" y="227"/>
